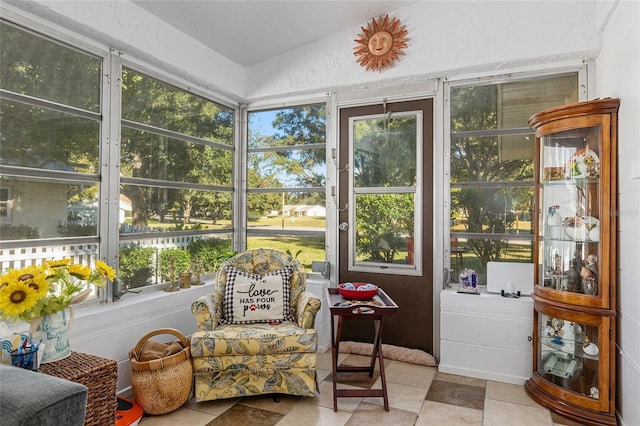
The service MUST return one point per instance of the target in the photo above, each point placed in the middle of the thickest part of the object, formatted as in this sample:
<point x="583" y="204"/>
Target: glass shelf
<point x="572" y="182"/>
<point x="569" y="354"/>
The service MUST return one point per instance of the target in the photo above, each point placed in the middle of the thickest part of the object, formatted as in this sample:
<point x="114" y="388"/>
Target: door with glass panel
<point x="386" y="213"/>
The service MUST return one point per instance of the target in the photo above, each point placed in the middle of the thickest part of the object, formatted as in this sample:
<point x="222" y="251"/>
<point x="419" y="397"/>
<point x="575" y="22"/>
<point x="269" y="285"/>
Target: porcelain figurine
<point x="553" y="217"/>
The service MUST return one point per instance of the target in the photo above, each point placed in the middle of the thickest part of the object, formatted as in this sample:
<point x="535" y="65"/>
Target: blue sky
<point x="260" y="122"/>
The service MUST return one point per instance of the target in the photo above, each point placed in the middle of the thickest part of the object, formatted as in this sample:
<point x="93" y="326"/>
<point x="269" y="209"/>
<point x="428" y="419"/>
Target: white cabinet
<point x="318" y="288"/>
<point x="486" y="336"/>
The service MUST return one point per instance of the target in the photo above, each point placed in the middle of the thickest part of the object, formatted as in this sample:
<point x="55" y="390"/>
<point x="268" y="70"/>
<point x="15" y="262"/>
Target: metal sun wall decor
<point x="380" y="43"/>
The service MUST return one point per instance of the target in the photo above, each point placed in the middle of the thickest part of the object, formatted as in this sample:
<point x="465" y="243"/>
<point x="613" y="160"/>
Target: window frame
<point x="120" y="63"/>
<point x="244" y="166"/>
<point x="16" y="248"/>
<point x="416" y="190"/>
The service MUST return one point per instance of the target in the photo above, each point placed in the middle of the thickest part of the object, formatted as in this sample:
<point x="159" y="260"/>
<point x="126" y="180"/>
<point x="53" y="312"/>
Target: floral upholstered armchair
<point x="248" y="340"/>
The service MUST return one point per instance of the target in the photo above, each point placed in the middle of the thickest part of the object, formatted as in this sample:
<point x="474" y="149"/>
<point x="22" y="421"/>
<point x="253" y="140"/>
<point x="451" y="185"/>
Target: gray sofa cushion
<point x="31" y="398"/>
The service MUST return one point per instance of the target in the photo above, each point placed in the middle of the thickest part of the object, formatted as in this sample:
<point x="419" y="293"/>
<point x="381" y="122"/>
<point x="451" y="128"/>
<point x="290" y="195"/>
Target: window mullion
<point x="110" y="162"/>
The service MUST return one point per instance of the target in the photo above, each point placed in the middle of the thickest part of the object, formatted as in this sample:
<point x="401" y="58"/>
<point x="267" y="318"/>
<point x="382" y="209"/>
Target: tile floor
<point x="418" y="396"/>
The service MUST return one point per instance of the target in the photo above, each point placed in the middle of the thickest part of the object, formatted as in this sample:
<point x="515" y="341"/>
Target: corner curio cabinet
<point x="575" y="279"/>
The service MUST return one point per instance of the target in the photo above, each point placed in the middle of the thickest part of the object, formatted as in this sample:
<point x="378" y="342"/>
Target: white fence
<point x="82" y="254"/>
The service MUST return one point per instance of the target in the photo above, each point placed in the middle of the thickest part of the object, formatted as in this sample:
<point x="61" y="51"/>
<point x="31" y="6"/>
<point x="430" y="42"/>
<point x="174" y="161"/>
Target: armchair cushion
<point x="264" y="339"/>
<point x="254" y="298"/>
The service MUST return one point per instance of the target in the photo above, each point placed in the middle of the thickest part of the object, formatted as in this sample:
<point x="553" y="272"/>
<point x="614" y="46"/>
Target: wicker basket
<point x="99" y="374"/>
<point x="161" y="385"/>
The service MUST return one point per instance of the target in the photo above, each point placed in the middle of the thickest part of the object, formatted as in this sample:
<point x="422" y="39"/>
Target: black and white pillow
<point x="254" y="298"/>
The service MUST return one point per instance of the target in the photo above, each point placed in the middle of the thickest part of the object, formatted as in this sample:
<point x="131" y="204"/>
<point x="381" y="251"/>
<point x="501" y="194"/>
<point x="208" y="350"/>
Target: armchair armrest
<point x="308" y="307"/>
<point x="208" y="311"/>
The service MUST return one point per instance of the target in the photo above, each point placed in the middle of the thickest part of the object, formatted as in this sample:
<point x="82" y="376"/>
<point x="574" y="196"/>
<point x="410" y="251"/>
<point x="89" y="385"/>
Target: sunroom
<point x="129" y="136"/>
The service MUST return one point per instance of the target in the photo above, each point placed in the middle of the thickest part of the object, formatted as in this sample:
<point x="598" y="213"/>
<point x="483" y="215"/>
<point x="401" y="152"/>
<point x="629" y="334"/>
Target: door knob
<point x="343" y="226"/>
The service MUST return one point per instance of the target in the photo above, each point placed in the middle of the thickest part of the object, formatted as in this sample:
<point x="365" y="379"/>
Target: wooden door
<point x="386" y="214"/>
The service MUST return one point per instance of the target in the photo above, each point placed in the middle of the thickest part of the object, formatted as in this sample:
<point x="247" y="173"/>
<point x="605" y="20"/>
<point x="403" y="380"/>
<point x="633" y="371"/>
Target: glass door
<point x="573" y="223"/>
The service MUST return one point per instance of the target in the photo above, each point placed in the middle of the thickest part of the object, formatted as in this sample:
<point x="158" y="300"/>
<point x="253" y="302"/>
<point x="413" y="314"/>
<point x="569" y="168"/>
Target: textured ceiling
<point x="248" y="32"/>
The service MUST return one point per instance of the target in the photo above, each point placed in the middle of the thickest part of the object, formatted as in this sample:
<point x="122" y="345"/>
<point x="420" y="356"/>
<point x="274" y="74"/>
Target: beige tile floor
<point x="418" y="396"/>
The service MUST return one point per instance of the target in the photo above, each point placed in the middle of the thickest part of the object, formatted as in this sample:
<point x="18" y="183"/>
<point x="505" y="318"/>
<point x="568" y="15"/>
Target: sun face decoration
<point x="380" y="44"/>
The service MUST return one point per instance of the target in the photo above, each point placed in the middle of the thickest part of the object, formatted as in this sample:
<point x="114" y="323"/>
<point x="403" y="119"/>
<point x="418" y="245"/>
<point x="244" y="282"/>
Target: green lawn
<point x="311" y="249"/>
<point x="289" y="222"/>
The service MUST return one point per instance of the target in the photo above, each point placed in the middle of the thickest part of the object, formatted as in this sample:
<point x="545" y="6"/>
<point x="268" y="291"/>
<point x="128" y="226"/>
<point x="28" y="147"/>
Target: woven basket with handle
<point x="161" y="385"/>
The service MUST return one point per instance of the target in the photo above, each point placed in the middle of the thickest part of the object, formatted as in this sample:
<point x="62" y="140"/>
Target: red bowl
<point x="357" y="294"/>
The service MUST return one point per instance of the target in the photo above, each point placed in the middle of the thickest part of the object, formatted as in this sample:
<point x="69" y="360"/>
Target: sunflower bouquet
<point x="35" y="291"/>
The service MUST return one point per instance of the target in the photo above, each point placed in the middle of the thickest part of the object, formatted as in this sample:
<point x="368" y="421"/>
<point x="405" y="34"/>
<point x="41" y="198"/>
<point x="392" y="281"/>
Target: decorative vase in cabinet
<point x="575" y="278"/>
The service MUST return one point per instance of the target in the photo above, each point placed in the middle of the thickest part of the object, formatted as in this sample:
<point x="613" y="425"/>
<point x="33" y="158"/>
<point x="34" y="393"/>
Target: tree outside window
<point x="491" y="165"/>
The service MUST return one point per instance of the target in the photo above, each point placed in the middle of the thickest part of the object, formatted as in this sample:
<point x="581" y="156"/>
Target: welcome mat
<point x="396" y="353"/>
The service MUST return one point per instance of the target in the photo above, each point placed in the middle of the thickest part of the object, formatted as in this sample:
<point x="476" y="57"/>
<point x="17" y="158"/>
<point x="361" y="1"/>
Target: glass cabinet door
<point x="571" y="219"/>
<point x="569" y="355"/>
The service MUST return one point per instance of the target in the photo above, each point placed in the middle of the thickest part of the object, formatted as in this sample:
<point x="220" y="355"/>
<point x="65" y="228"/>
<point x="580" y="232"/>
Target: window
<point x="384" y="187"/>
<point x="172" y="186"/>
<point x="176" y="181"/>
<point x="286" y="167"/>
<point x="50" y="150"/>
<point x="491" y="167"/>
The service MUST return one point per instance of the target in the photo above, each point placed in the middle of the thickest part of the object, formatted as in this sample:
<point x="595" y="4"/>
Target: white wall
<point x="111" y="330"/>
<point x="445" y="39"/>
<point x="618" y="75"/>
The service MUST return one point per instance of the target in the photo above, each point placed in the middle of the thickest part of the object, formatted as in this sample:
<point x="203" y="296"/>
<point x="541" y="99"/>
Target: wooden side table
<point x="100" y="375"/>
<point x="373" y="310"/>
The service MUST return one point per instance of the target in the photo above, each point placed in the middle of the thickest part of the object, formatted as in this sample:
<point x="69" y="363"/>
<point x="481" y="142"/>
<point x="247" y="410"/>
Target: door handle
<point x="343" y="226"/>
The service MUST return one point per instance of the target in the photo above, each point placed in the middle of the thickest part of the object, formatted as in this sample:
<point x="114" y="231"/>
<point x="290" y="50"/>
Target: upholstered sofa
<point x="232" y="360"/>
<point x="29" y="398"/>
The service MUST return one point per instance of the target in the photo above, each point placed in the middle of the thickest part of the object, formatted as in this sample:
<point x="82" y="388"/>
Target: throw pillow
<point x="253" y="298"/>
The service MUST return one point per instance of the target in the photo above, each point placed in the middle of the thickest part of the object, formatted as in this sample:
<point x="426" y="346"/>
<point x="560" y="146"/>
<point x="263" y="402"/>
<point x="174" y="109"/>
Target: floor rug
<point x="396" y="353"/>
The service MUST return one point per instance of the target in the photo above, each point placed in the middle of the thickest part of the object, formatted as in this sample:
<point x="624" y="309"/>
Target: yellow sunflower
<point x="80" y="271"/>
<point x="58" y="263"/>
<point x="38" y="283"/>
<point x="32" y="276"/>
<point x="20" y="274"/>
<point x="17" y="297"/>
<point x="105" y="270"/>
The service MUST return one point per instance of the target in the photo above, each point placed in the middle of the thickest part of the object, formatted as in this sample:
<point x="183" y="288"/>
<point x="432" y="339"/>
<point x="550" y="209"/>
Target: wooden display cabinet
<point x="575" y="278"/>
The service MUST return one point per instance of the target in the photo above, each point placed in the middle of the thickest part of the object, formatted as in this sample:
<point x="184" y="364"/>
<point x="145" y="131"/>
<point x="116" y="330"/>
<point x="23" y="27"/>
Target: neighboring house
<point x="312" y="211"/>
<point x="52" y="197"/>
<point x="56" y="210"/>
<point x="125" y="208"/>
<point x="301" y="210"/>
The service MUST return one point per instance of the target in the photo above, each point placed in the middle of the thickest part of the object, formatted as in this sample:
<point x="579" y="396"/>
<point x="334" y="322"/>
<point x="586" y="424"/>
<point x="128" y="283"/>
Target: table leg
<point x="376" y="354"/>
<point x="377" y="348"/>
<point x="335" y="342"/>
